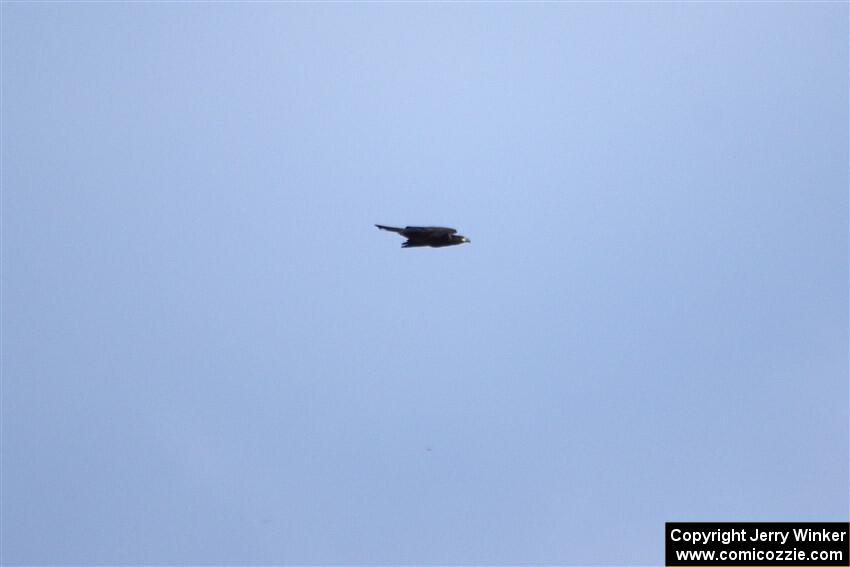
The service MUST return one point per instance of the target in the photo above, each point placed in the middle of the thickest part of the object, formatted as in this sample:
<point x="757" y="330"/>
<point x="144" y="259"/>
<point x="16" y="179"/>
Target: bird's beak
<point x="465" y="239"/>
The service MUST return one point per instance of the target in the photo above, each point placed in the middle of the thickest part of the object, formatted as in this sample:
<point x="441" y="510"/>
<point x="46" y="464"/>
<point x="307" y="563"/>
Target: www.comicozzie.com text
<point x="754" y="554"/>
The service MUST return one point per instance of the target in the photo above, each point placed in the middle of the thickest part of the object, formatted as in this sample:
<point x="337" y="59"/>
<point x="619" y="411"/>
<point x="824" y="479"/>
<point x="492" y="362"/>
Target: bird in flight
<point x="433" y="236"/>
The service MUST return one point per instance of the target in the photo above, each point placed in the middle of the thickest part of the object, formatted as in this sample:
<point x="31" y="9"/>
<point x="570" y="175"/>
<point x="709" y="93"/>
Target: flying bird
<point x="433" y="236"/>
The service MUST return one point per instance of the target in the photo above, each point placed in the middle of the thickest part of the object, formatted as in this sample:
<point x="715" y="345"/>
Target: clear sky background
<point x="211" y="356"/>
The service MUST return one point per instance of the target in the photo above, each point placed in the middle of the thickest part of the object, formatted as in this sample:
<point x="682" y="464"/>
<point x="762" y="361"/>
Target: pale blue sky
<point x="211" y="356"/>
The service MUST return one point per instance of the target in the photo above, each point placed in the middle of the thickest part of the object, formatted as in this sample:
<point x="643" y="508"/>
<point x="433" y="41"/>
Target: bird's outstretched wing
<point x="390" y="228"/>
<point x="428" y="231"/>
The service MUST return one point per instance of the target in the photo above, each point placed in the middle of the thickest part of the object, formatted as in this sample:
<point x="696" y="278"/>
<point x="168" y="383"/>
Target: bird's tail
<point x="390" y="228"/>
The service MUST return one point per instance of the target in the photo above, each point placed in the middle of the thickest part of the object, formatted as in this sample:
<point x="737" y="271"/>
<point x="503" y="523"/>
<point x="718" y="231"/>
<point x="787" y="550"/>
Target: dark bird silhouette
<point x="433" y="236"/>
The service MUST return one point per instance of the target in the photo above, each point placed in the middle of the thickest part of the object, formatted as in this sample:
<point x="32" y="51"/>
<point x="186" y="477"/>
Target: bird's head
<point x="460" y="239"/>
